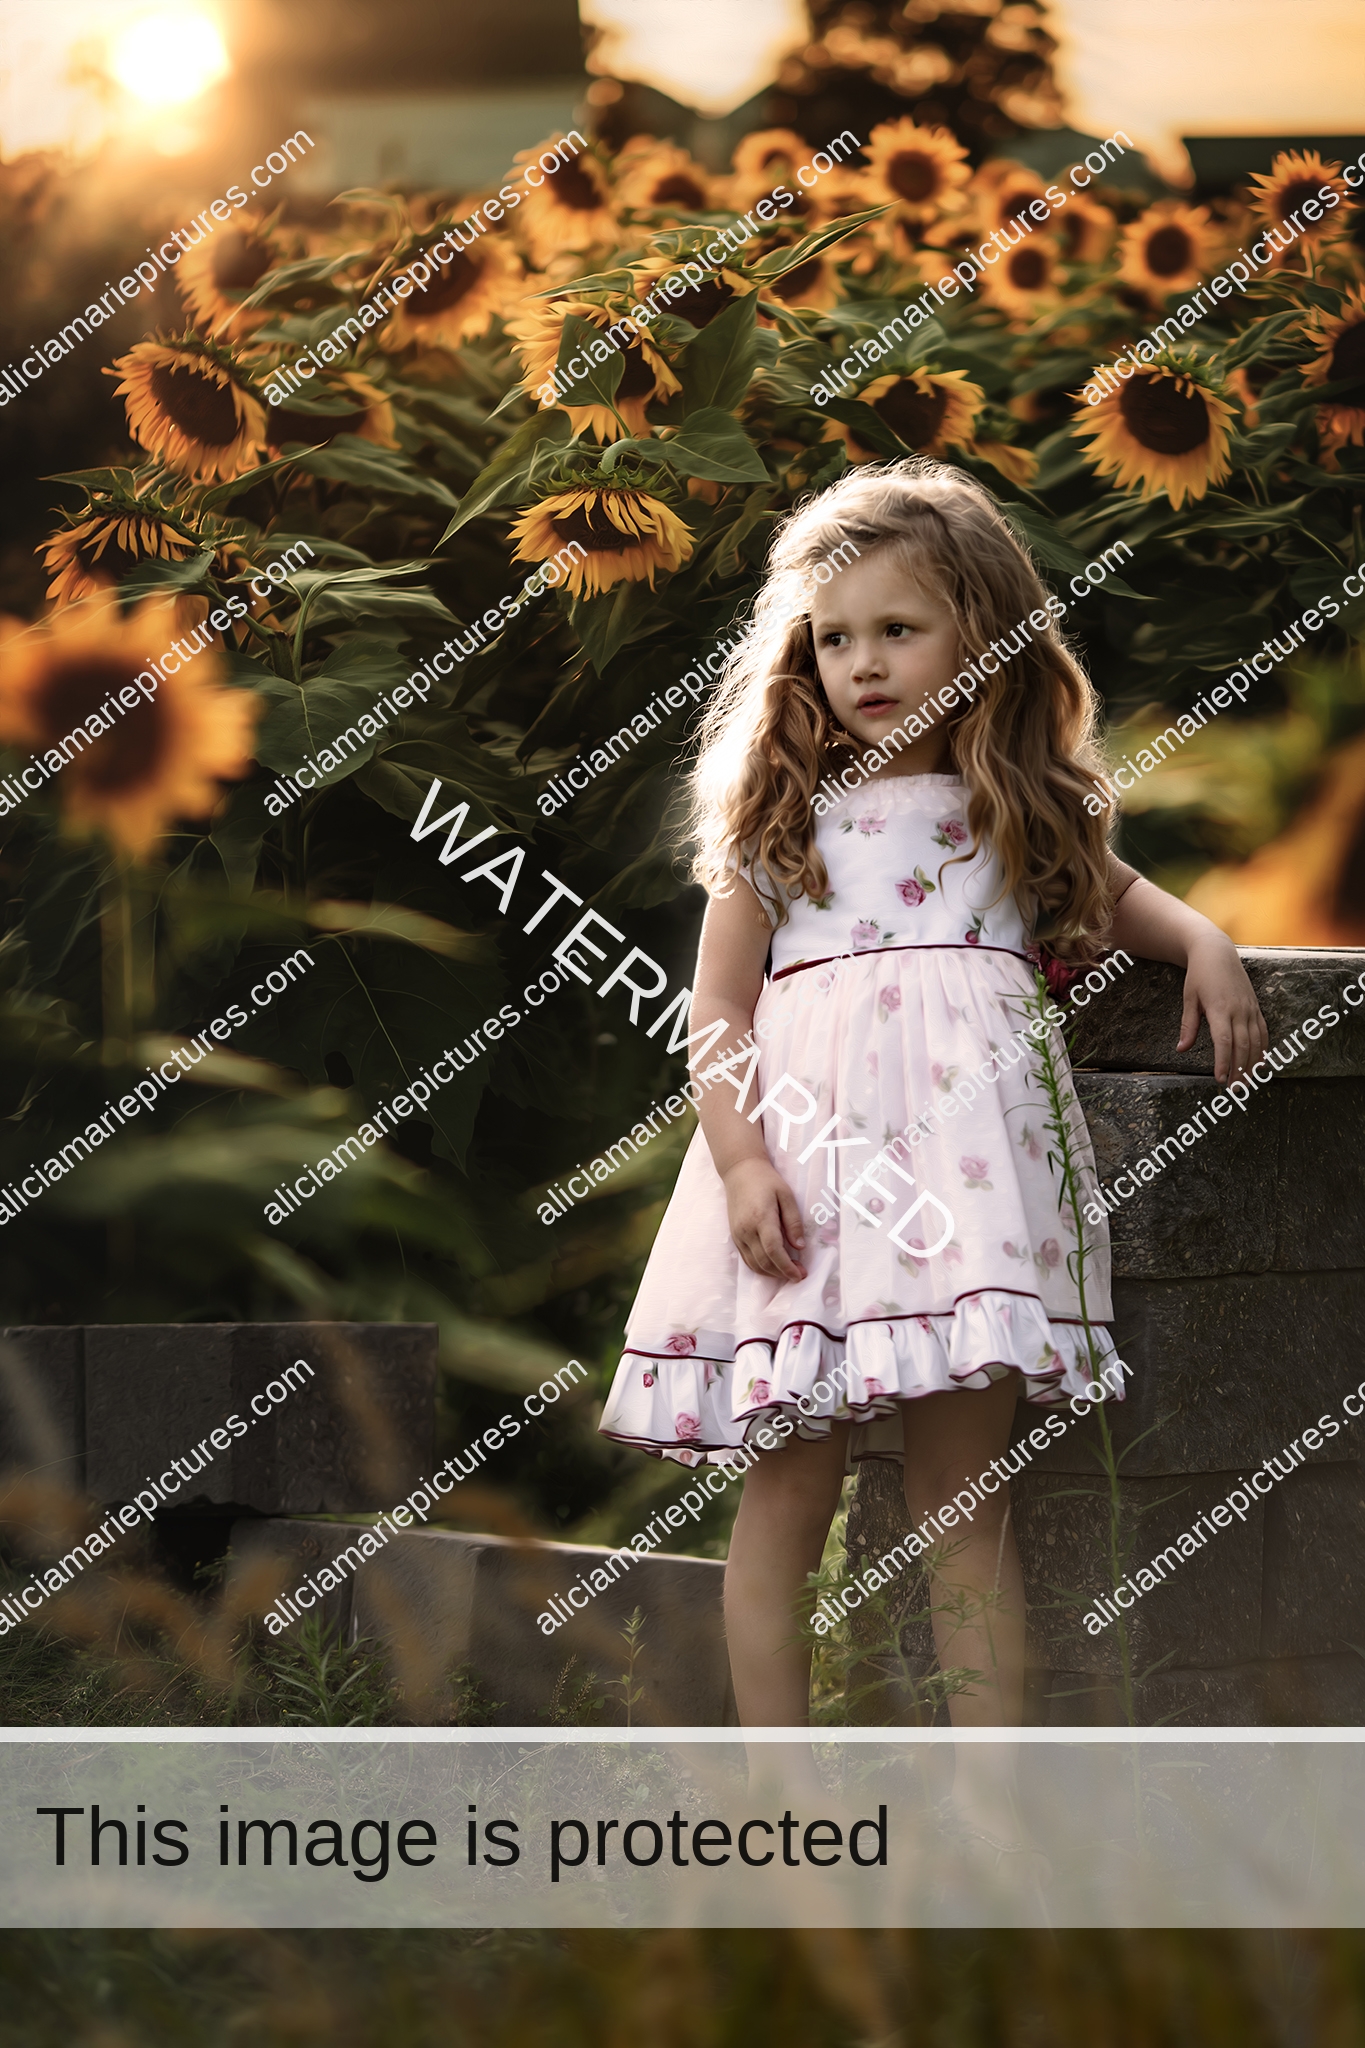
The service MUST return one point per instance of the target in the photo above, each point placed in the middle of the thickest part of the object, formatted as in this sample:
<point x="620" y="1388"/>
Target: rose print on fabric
<point x="867" y="825"/>
<point x="973" y="937"/>
<point x="829" y="1234"/>
<point x="649" y="1379"/>
<point x="1030" y="1142"/>
<point x="682" y="1343"/>
<point x="760" y="1391"/>
<point x="888" y="1000"/>
<point x="1048" y="1256"/>
<point x="868" y="933"/>
<point x="912" y="892"/>
<point x="951" y="833"/>
<point x="1012" y="1251"/>
<point x="823" y="902"/>
<point x="874" y="1387"/>
<point x="687" y="1425"/>
<point x="943" y="1077"/>
<point x="974" y="1170"/>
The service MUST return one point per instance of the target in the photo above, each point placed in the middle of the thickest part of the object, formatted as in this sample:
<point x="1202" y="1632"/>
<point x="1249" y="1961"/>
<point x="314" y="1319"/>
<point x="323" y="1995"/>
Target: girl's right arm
<point x="765" y="1221"/>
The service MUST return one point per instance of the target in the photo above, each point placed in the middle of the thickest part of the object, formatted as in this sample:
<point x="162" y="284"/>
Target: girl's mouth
<point x="873" y="707"/>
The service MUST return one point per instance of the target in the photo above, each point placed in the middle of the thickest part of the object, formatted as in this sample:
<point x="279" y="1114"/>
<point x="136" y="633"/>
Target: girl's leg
<point x="977" y="1592"/>
<point x="785" y="1511"/>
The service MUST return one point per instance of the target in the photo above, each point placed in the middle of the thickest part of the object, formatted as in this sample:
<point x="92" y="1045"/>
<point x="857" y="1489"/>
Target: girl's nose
<point x="869" y="663"/>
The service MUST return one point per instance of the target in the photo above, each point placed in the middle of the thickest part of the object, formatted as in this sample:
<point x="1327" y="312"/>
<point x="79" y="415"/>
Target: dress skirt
<point x="943" y="1265"/>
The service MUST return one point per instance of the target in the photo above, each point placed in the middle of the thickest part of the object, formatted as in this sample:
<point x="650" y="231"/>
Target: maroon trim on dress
<point x="877" y="952"/>
<point x="860" y="1322"/>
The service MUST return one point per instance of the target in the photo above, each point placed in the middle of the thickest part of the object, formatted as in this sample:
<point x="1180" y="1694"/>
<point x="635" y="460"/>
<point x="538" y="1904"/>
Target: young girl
<point x="874" y="949"/>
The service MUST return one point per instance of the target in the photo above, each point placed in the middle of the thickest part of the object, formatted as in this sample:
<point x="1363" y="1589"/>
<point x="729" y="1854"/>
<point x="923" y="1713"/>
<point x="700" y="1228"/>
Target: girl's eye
<point x="895" y="630"/>
<point x="831" y="639"/>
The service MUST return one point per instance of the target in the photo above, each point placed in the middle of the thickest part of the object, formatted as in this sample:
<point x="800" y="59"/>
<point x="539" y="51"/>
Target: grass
<point x="683" y="1988"/>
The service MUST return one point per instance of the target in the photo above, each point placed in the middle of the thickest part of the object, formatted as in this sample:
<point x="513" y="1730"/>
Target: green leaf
<point x="868" y="424"/>
<point x="609" y="622"/>
<point x="350" y="460"/>
<point x="711" y="444"/>
<point x="223" y="494"/>
<point x="1036" y="530"/>
<point x="720" y="361"/>
<point x="509" y="473"/>
<point x="333" y="701"/>
<point x="238" y="833"/>
<point x="598" y="384"/>
<point x="160" y="578"/>
<point x="779" y="261"/>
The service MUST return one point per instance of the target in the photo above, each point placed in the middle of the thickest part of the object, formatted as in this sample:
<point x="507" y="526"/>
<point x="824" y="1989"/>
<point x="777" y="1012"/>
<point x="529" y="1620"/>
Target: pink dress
<point x="944" y="1265"/>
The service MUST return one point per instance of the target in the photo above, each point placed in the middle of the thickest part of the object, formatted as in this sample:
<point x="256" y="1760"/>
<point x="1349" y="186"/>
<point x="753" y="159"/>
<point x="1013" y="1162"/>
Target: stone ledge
<point x="1289" y="1692"/>
<point x="356" y="1437"/>
<point x="1225" y="1373"/>
<point x="1314" y="1602"/>
<point x="42" y="1402"/>
<point x="1139" y="1031"/>
<point x="440" y="1600"/>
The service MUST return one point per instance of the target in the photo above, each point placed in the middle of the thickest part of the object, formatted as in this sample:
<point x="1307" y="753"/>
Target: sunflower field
<point x="573" y="513"/>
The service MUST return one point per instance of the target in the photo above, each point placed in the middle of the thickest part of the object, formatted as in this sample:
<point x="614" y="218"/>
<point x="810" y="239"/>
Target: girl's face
<point x="882" y="645"/>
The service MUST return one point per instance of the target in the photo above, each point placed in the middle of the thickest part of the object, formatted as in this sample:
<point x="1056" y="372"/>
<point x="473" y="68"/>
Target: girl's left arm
<point x="1156" y="926"/>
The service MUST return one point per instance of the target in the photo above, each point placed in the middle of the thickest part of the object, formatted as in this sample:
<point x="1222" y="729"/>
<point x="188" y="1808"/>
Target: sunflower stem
<point x="118" y="962"/>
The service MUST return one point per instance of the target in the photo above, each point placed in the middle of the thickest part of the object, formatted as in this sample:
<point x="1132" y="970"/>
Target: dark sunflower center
<point x="915" y="415"/>
<point x="240" y="261"/>
<point x="115" y="760"/>
<point x="112" y="560"/>
<point x="793" y="283"/>
<point x="1017" y="205"/>
<point x="1167" y="421"/>
<point x="1028" y="270"/>
<point x="311" y="427"/>
<point x="912" y="174"/>
<point x="203" y="410"/>
<point x="1169" y="251"/>
<point x="701" y="304"/>
<point x="574" y="188"/>
<point x="680" y="190"/>
<point x="590" y="527"/>
<point x="637" y="378"/>
<point x="1291" y="197"/>
<point x="454" y="282"/>
<point x="1071" y="233"/>
<point x="1348" y="355"/>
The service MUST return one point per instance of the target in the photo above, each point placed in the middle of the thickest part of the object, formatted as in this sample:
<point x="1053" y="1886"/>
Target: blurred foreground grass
<point x="830" y="1988"/>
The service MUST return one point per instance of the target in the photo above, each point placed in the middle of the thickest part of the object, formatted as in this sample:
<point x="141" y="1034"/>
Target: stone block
<point x="1211" y="1207"/>
<point x="1206" y="1610"/>
<point x="354" y="1434"/>
<point x="1225" y="1372"/>
<point x="1277" y="1187"/>
<point x="269" y="1557"/>
<point x="1315" y="1692"/>
<point x="42" y="1402"/>
<point x="1314" y="1602"/>
<point x="1137" y="1029"/>
<point x="440" y="1600"/>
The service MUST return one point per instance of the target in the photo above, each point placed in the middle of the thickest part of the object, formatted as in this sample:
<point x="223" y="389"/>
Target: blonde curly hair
<point x="1024" y="744"/>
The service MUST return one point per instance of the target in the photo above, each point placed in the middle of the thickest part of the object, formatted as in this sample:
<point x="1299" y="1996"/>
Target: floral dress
<point x="938" y="1265"/>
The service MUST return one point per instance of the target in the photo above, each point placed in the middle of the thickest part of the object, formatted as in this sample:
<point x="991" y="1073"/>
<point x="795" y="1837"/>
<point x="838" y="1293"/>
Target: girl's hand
<point x="1216" y="987"/>
<point x="764" y="1219"/>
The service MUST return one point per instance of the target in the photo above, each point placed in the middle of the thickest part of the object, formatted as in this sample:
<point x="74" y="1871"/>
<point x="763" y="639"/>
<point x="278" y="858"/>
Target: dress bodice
<point x="887" y="848"/>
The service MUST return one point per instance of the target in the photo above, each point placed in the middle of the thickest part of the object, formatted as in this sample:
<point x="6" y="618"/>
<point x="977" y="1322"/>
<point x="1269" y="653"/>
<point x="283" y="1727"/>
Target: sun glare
<point x="167" y="58"/>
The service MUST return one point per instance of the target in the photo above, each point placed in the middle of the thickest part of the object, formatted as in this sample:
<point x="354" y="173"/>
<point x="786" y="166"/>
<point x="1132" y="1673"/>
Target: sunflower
<point x="1084" y="229"/>
<point x="1024" y="283"/>
<point x="188" y="411"/>
<point x="1167" y="249"/>
<point x="645" y="376"/>
<point x="660" y="178"/>
<point x="571" y="210"/>
<point x="1166" y="429"/>
<point x="1295" y="175"/>
<point x="130" y="773"/>
<point x="1002" y="191"/>
<point x="370" y="415"/>
<point x="698" y="303"/>
<point x="216" y="275"/>
<point x="627" y="535"/>
<point x="462" y="298"/>
<point x="1020" y="465"/>
<point x="923" y="170"/>
<point x="1340" y="340"/>
<point x="771" y="156"/>
<point x="930" y="410"/>
<point x="97" y="552"/>
<point x="813" y="283"/>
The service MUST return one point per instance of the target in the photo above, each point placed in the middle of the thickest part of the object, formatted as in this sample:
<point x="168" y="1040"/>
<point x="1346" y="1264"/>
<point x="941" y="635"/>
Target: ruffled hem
<point x="699" y="1407"/>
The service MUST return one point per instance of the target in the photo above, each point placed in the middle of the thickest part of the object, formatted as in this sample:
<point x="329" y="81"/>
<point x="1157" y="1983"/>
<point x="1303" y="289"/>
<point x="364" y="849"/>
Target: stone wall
<point x="1239" y="1300"/>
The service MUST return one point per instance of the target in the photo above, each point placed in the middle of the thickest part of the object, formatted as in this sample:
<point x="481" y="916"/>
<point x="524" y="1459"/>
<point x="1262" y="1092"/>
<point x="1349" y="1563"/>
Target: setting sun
<point x="169" y="57"/>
